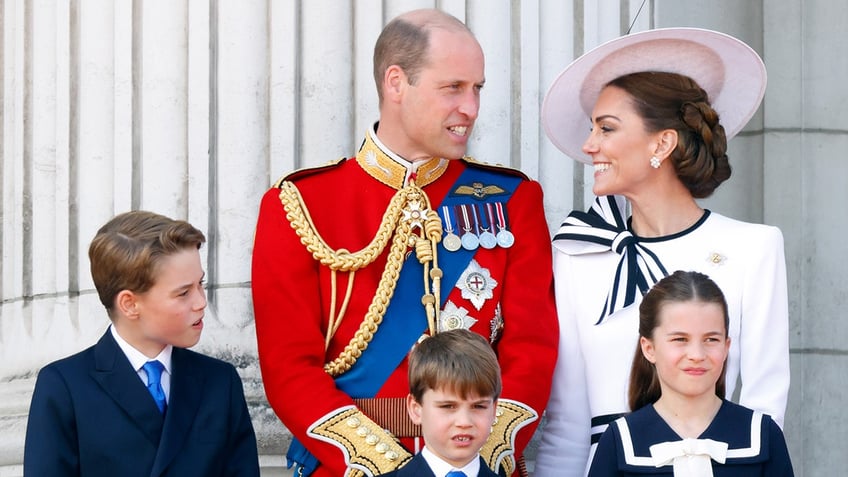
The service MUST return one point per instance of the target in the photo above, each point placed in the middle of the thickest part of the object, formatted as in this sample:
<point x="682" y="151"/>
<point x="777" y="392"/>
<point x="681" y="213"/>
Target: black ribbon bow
<point x="604" y="228"/>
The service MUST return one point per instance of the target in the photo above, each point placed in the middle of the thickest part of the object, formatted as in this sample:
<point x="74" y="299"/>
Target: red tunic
<point x="291" y="295"/>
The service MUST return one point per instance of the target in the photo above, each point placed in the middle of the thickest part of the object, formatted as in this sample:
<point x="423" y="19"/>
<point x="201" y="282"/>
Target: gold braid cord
<point x="498" y="449"/>
<point x="409" y="219"/>
<point x="369" y="449"/>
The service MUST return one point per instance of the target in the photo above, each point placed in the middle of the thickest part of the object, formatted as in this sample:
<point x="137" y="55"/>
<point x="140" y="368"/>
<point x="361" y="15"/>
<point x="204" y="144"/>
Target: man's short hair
<point x="405" y="42"/>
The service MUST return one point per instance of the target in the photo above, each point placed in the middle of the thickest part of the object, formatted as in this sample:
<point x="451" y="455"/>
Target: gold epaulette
<point x="494" y="167"/>
<point x="498" y="451"/>
<point x="368" y="449"/>
<point x="307" y="171"/>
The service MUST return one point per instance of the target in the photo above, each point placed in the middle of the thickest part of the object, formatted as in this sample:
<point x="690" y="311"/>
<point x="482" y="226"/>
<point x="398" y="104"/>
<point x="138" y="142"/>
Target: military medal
<point x="454" y="318"/>
<point x="470" y="241"/>
<point x="505" y="237"/>
<point x="487" y="238"/>
<point x="476" y="284"/>
<point x="451" y="242"/>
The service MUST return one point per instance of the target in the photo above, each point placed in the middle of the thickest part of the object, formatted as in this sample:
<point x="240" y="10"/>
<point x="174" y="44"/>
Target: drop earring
<point x="655" y="162"/>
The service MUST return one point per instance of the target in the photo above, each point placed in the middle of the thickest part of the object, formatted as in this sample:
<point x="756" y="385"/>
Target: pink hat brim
<point x="731" y="72"/>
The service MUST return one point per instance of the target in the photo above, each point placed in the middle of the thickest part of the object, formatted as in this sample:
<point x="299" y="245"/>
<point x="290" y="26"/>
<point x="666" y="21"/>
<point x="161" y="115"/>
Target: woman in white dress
<point x="662" y="105"/>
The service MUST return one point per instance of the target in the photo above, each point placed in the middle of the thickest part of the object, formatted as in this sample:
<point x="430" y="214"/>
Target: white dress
<point x="593" y="366"/>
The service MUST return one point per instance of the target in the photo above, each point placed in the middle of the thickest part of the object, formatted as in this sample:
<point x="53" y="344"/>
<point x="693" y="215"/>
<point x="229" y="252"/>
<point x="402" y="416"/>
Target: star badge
<point x="455" y="317"/>
<point x="476" y="284"/>
<point x="415" y="214"/>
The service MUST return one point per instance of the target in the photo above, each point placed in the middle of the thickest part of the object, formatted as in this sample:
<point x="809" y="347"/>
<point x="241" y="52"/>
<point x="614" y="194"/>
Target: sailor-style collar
<point x="739" y="430"/>
<point x="391" y="169"/>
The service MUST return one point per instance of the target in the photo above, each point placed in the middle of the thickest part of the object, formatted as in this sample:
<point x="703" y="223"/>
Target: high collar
<point x="391" y="169"/>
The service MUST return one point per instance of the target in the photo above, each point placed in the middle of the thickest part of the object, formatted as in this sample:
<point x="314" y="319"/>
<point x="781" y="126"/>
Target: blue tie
<point x="154" y="383"/>
<point x="456" y="473"/>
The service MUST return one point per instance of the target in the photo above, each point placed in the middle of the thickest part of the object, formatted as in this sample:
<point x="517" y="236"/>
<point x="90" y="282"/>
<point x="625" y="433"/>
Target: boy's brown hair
<point x="460" y="361"/>
<point x="126" y="252"/>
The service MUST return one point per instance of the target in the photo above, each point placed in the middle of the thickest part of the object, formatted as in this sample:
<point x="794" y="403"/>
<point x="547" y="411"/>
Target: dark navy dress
<point x="755" y="445"/>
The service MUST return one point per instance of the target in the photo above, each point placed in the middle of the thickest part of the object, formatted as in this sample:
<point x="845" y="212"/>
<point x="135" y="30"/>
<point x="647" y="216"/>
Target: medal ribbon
<point x="491" y="216"/>
<point x="464" y="219"/>
<point x="485" y="219"/>
<point x="446" y="216"/>
<point x="502" y="225"/>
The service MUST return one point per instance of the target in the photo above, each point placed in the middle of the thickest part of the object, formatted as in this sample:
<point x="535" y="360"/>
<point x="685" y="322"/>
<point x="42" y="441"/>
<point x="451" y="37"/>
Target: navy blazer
<point x="417" y="467"/>
<point x="92" y="416"/>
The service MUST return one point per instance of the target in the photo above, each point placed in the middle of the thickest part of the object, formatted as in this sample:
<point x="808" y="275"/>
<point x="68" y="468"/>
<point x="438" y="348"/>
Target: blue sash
<point x="405" y="319"/>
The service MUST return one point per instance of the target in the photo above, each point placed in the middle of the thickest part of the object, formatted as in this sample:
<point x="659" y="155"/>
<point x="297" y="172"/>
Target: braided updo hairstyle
<point x="673" y="101"/>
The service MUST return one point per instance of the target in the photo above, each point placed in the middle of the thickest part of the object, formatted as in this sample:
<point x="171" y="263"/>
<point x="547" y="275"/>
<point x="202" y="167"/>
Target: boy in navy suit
<point x="454" y="385"/>
<point x="138" y="403"/>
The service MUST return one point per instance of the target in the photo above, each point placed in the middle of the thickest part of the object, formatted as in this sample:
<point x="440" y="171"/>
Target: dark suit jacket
<point x="417" y="467"/>
<point x="92" y="416"/>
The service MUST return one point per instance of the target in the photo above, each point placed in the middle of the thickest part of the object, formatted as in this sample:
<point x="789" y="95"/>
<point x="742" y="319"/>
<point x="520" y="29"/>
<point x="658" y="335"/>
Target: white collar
<point x="441" y="468"/>
<point x="136" y="357"/>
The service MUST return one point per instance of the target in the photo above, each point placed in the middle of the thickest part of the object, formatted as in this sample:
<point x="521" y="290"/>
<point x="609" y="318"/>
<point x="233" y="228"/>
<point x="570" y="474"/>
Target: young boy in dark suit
<point x="138" y="403"/>
<point x="454" y="385"/>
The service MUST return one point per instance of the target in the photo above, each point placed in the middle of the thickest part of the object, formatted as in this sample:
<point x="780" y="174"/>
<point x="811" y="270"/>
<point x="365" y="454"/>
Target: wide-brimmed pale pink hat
<point x="731" y="73"/>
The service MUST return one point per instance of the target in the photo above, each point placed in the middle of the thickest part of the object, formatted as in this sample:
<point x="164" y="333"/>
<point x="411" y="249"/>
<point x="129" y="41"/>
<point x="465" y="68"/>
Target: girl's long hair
<point x="678" y="287"/>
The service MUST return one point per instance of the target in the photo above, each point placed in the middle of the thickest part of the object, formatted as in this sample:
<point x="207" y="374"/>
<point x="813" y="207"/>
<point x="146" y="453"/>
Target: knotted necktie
<point x="456" y="473"/>
<point x="690" y="457"/>
<point x="604" y="228"/>
<point x="154" y="383"/>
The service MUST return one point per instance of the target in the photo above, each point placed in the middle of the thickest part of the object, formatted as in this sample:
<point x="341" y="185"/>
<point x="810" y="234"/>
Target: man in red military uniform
<point x="354" y="262"/>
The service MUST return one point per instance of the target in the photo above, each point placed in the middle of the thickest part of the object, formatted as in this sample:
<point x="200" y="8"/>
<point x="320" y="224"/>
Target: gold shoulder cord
<point x="413" y="223"/>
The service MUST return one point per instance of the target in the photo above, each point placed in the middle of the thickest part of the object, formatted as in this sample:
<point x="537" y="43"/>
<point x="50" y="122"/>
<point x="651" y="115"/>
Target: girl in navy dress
<point x="682" y="425"/>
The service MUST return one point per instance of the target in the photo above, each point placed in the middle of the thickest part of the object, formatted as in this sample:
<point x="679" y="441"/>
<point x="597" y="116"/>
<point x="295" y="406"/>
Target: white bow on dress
<point x="690" y="457"/>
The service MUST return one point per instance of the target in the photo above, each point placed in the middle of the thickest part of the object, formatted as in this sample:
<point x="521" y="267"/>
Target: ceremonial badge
<point x="454" y="318"/>
<point x="476" y="284"/>
<point x="414" y="214"/>
<point x="468" y="223"/>
<point x="478" y="190"/>
<point x="505" y="237"/>
<point x="451" y="242"/>
<point x="487" y="238"/>
<point x="470" y="241"/>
